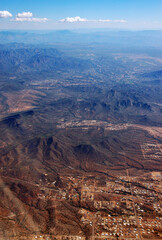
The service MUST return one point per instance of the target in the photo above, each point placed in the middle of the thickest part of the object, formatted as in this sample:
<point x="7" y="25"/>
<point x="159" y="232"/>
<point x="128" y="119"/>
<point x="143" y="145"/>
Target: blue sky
<point x="72" y="14"/>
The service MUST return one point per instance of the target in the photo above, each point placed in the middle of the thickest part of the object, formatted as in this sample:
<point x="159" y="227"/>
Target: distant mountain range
<point x="114" y="38"/>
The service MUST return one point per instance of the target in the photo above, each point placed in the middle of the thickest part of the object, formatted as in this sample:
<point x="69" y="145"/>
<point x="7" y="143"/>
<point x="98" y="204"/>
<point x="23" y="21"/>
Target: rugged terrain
<point x="80" y="143"/>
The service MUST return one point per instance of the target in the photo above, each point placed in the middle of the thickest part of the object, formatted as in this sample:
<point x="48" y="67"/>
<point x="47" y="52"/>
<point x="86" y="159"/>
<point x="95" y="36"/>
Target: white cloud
<point x="28" y="17"/>
<point x="73" y="19"/>
<point x="23" y="19"/>
<point x="109" y="20"/>
<point x="5" y="14"/>
<point x="103" y="20"/>
<point x="24" y="15"/>
<point x="79" y="19"/>
<point x="120" y="21"/>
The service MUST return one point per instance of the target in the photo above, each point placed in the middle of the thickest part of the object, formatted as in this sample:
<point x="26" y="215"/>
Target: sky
<point x="80" y="14"/>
